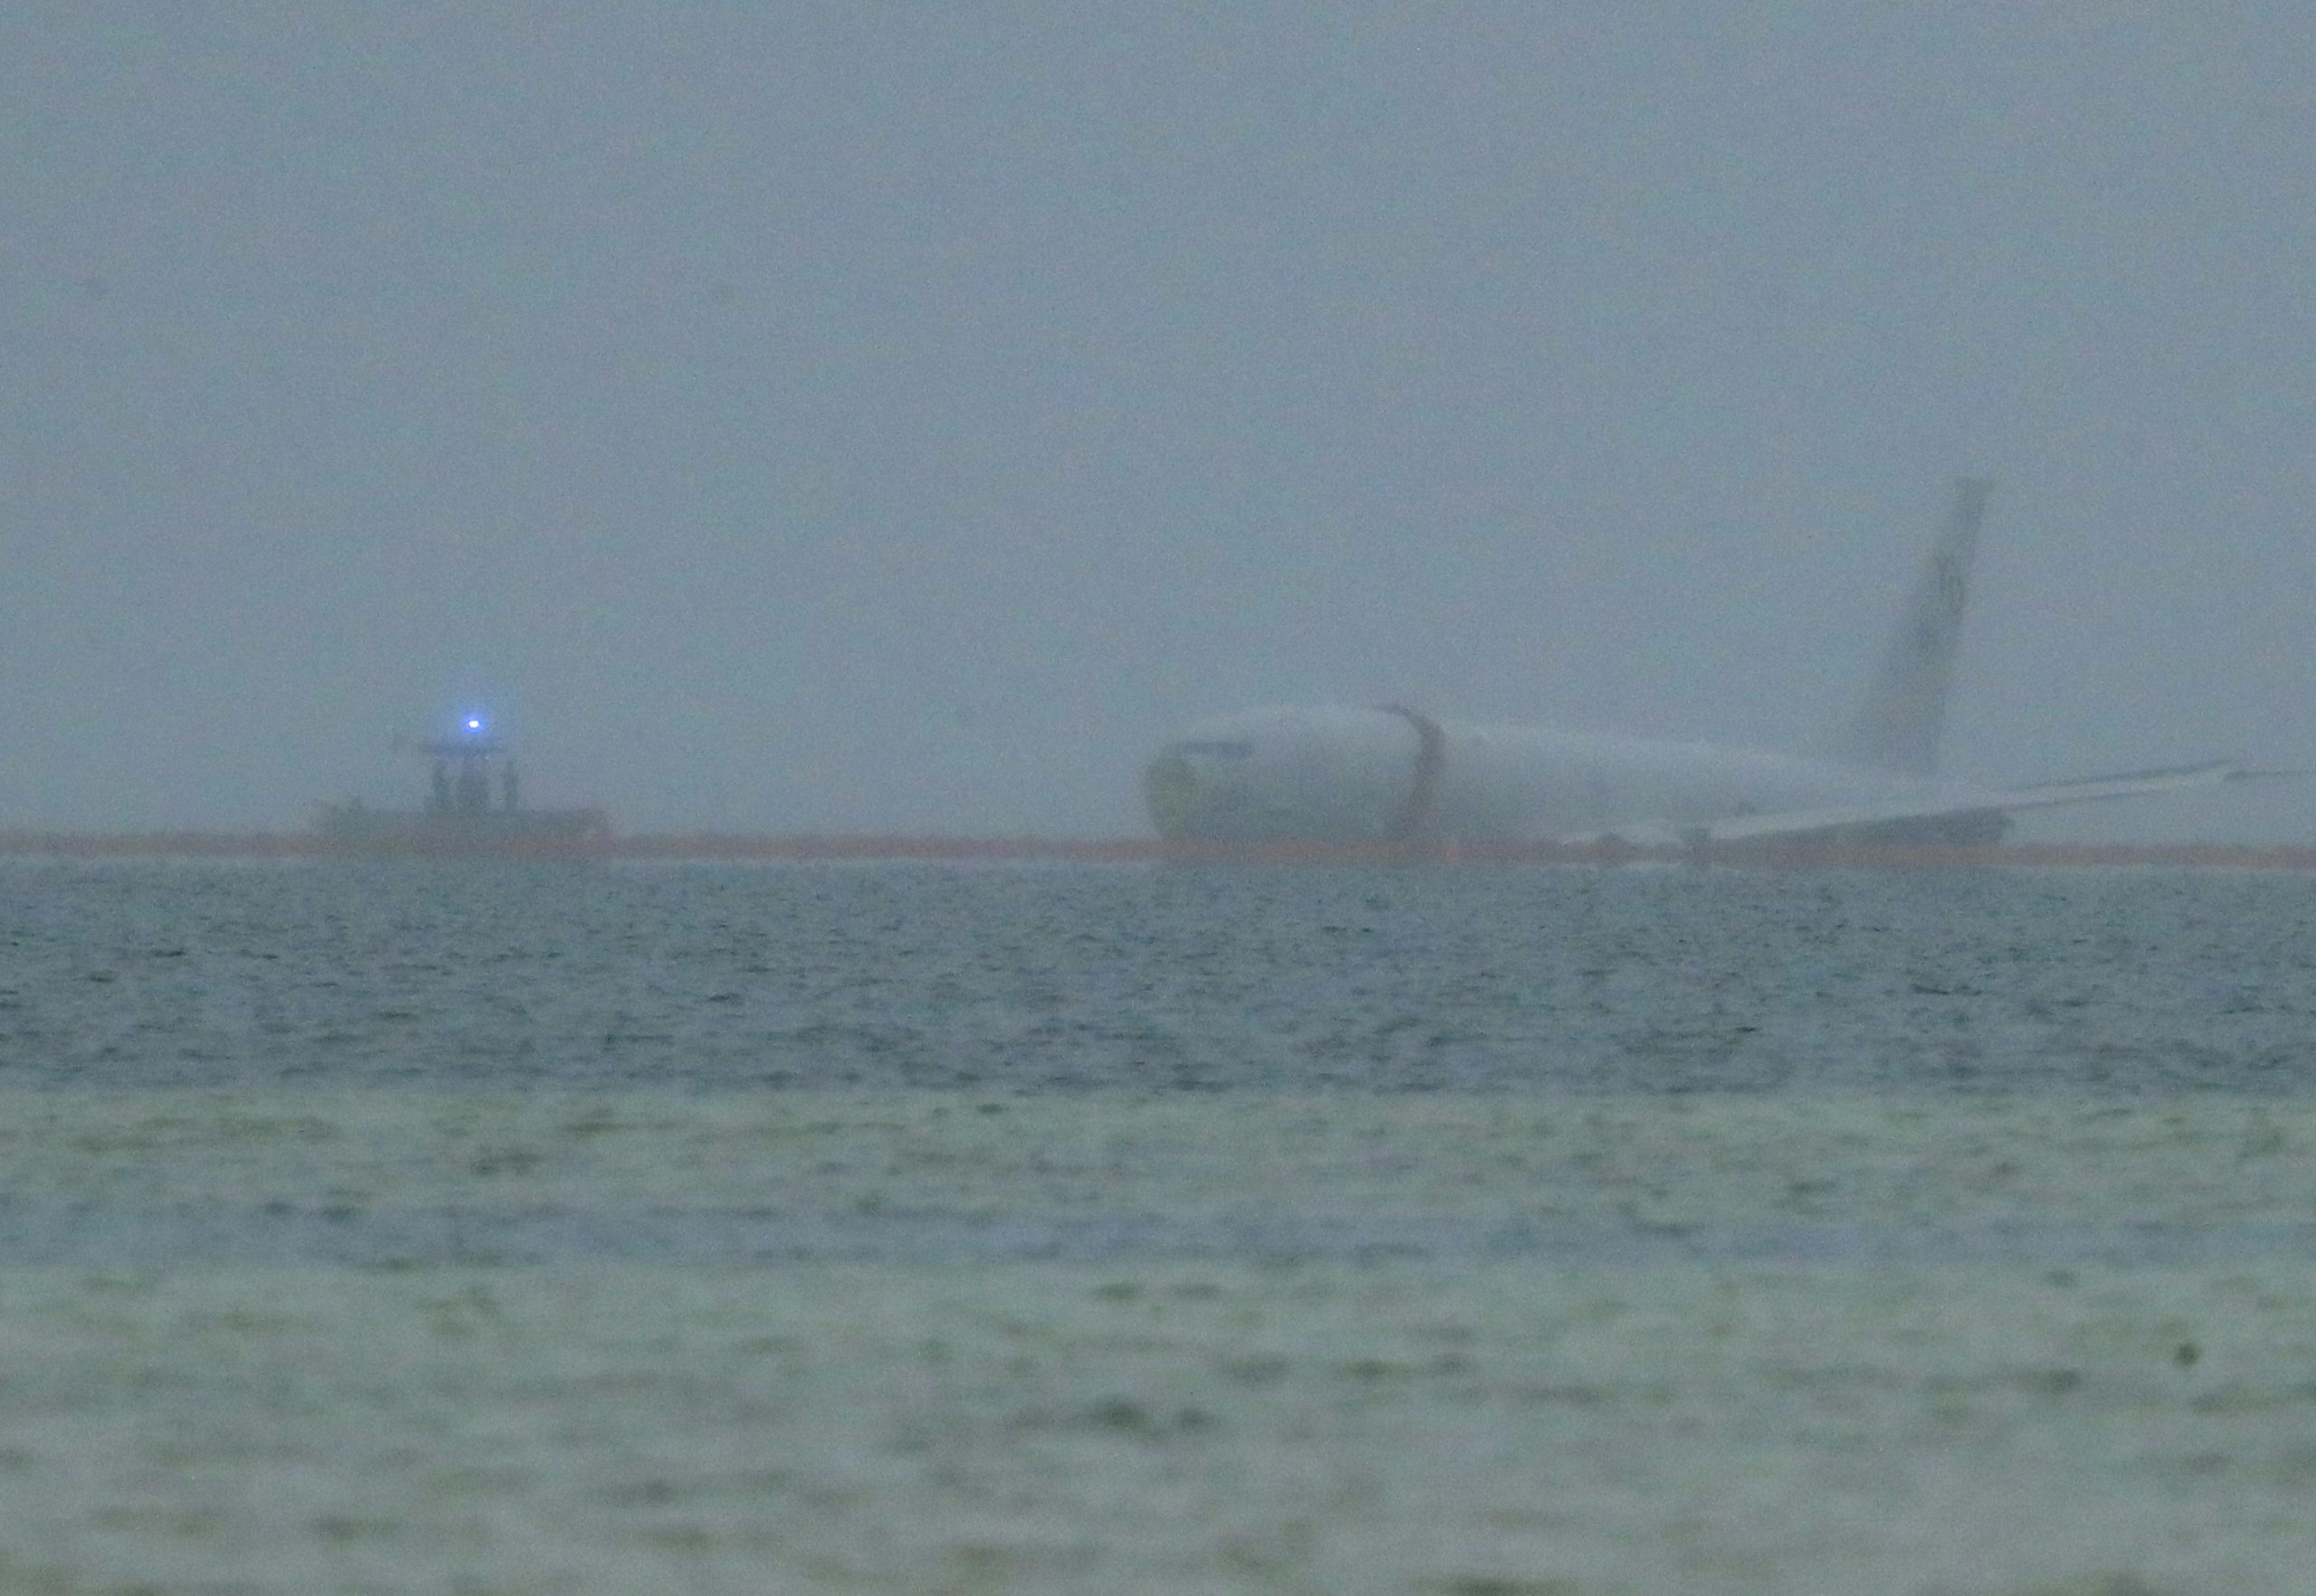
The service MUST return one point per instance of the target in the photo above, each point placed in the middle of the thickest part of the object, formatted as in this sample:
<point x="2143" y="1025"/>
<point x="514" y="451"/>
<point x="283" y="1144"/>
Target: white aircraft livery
<point x="1395" y="775"/>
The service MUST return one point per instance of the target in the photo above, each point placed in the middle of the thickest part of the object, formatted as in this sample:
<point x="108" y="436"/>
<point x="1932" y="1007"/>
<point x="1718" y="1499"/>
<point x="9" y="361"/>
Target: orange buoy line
<point x="708" y="847"/>
<point x="740" y="846"/>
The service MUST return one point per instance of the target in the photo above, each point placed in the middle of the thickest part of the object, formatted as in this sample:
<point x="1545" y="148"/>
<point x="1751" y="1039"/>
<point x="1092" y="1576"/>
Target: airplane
<point x="1394" y="775"/>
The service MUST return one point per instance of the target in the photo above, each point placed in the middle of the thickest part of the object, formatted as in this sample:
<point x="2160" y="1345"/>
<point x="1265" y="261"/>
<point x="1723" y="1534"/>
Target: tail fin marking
<point x="1896" y="726"/>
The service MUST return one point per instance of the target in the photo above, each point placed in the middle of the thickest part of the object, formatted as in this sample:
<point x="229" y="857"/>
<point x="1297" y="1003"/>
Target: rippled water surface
<point x="1468" y="1233"/>
<point x="1023" y="981"/>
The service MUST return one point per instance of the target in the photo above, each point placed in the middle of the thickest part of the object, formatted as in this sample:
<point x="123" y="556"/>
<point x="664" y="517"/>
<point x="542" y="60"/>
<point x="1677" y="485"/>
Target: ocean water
<point x="2128" y="983"/>
<point x="841" y="1227"/>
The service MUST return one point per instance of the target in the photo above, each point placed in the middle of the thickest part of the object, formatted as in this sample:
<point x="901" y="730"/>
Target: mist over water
<point x="850" y="417"/>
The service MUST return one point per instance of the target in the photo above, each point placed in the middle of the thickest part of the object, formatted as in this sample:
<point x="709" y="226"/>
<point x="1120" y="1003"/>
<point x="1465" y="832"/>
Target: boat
<point x="473" y="809"/>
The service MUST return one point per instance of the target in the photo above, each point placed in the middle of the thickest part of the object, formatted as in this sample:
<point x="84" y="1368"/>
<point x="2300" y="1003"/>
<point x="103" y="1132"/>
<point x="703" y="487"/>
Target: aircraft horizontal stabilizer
<point x="1954" y="803"/>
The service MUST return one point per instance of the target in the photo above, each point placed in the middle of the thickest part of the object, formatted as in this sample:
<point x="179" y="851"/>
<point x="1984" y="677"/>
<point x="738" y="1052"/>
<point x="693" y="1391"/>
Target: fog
<point x="841" y="416"/>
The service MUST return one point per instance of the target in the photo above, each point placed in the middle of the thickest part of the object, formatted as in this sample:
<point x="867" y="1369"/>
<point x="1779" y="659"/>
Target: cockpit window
<point x="1217" y="750"/>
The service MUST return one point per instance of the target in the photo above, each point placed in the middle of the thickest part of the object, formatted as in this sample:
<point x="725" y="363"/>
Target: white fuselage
<point x="1395" y="775"/>
<point x="1370" y="776"/>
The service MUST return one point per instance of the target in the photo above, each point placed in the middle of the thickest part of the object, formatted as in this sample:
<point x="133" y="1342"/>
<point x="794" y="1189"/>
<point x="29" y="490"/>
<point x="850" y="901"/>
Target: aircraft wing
<point x="1951" y="802"/>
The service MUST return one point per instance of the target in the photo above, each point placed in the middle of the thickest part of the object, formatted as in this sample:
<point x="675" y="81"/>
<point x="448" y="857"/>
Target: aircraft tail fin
<point x="1896" y="726"/>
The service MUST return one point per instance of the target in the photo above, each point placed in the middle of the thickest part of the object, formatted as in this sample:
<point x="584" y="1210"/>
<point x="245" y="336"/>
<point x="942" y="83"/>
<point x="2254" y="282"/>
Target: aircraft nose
<point x="1170" y="790"/>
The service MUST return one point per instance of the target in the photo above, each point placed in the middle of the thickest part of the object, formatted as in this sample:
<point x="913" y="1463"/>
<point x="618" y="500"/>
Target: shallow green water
<point x="1070" y="1230"/>
<point x="414" y="1340"/>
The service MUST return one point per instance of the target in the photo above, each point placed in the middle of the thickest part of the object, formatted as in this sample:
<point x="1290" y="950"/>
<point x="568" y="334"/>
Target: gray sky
<point x="835" y="415"/>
